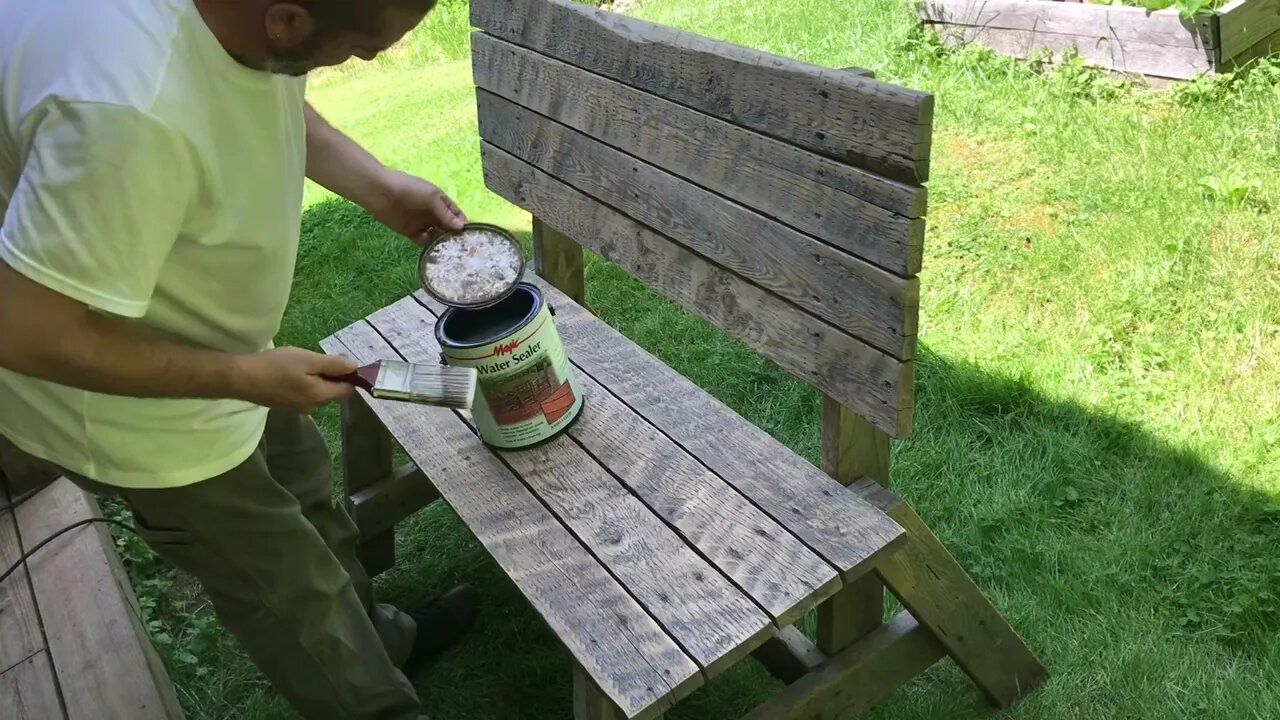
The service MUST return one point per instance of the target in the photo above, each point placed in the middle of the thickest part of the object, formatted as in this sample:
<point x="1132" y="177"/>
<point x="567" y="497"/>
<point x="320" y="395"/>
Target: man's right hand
<point x="294" y="379"/>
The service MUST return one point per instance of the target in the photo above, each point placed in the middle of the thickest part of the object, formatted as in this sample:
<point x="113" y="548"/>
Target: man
<point x="152" y="155"/>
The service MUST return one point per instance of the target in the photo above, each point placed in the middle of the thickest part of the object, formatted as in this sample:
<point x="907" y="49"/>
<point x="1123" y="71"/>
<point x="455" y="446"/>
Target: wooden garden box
<point x="1161" y="45"/>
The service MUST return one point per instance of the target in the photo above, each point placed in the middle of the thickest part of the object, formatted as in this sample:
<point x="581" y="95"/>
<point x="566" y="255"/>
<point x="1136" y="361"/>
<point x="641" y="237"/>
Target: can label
<point x="526" y="391"/>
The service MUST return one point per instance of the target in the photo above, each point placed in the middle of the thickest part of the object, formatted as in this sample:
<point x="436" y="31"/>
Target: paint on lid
<point x="474" y="267"/>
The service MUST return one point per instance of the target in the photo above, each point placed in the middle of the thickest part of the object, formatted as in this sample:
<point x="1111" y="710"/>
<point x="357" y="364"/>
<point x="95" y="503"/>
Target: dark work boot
<point x="440" y="625"/>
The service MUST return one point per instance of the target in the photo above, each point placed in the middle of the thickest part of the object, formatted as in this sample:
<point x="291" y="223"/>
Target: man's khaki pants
<point x="278" y="561"/>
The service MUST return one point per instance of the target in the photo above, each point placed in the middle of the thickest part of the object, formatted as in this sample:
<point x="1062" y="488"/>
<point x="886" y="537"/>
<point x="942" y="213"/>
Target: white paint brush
<point x="422" y="383"/>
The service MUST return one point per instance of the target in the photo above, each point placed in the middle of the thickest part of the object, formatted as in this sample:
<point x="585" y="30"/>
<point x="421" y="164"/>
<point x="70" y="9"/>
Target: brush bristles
<point x="451" y="387"/>
<point x="440" y="385"/>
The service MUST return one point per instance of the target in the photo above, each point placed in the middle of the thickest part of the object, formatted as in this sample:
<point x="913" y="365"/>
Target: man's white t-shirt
<point x="146" y="173"/>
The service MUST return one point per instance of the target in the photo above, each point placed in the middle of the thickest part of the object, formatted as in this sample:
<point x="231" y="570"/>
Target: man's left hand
<point x="414" y="207"/>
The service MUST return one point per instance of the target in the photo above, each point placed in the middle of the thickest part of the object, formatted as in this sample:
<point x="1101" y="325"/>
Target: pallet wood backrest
<point x="780" y="201"/>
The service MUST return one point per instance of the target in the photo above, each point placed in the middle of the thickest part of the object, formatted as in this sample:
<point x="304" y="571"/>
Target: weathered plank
<point x="847" y="116"/>
<point x="558" y="260"/>
<point x="366" y="459"/>
<point x="1123" y="24"/>
<point x="634" y="662"/>
<point x="96" y="637"/>
<point x="770" y="565"/>
<point x="838" y="525"/>
<point x="28" y="692"/>
<point x="942" y="597"/>
<point x="878" y="386"/>
<point x="377" y="508"/>
<point x="852" y="449"/>
<point x="710" y="618"/>
<point x="789" y="655"/>
<point x="872" y="217"/>
<point x="1128" y="57"/>
<point x="1243" y="25"/>
<point x="858" y="678"/>
<point x="868" y="302"/>
<point x="20" y="635"/>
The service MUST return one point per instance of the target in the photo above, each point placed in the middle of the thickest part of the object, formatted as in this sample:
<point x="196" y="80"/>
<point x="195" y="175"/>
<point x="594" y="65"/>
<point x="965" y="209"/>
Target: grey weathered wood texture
<point x="378" y="507"/>
<point x="771" y="566"/>
<point x="1126" y="57"/>
<point x="860" y="677"/>
<point x="1161" y="45"/>
<point x="20" y="634"/>
<point x="872" y="217"/>
<point x="874" y="383"/>
<point x="96" y="638"/>
<point x="868" y="302"/>
<point x="942" y="597"/>
<point x="28" y="692"/>
<point x="1119" y="23"/>
<point x="698" y="606"/>
<point x="852" y="449"/>
<point x="366" y="459"/>
<point x="839" y="526"/>
<point x="558" y="260"/>
<point x="626" y="653"/>
<point x="844" y="115"/>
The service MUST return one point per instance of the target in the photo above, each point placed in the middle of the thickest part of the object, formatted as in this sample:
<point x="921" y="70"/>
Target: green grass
<point x="1097" y="431"/>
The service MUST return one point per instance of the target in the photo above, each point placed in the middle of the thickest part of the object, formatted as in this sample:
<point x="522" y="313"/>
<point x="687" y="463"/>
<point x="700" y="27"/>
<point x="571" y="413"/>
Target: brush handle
<point x="364" y="378"/>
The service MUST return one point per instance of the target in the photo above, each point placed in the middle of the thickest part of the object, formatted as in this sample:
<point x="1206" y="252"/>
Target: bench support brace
<point x="939" y="596"/>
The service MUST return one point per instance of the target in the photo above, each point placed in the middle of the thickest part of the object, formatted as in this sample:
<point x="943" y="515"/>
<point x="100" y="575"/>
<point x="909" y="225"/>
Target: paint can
<point x="527" y="392"/>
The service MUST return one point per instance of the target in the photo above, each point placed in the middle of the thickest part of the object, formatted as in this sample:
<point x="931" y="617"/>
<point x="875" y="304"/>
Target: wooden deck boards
<point x="20" y="635"/>
<point x="72" y="642"/>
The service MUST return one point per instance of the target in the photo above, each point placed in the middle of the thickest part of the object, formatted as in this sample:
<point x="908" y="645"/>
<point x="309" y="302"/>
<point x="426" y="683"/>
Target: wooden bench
<point x="665" y="538"/>
<point x="72" y="641"/>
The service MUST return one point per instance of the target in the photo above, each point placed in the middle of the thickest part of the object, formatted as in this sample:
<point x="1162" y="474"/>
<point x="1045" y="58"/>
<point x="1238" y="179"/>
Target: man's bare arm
<point x="46" y="335"/>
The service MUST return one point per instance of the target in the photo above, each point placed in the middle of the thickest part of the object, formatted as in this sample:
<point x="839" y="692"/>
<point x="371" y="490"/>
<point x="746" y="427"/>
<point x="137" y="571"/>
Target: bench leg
<point x="588" y="702"/>
<point x="558" y="260"/>
<point x="923" y="576"/>
<point x="366" y="459"/>
<point x="852" y="448"/>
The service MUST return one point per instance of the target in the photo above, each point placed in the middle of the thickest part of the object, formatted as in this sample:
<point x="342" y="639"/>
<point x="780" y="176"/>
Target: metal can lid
<point x="474" y="267"/>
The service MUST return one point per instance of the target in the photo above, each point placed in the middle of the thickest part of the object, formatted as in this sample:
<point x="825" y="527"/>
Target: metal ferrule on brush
<point x="395" y="380"/>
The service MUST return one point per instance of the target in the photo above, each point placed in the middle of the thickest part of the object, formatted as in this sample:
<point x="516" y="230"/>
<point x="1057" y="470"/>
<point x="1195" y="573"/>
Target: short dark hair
<point x="359" y="15"/>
